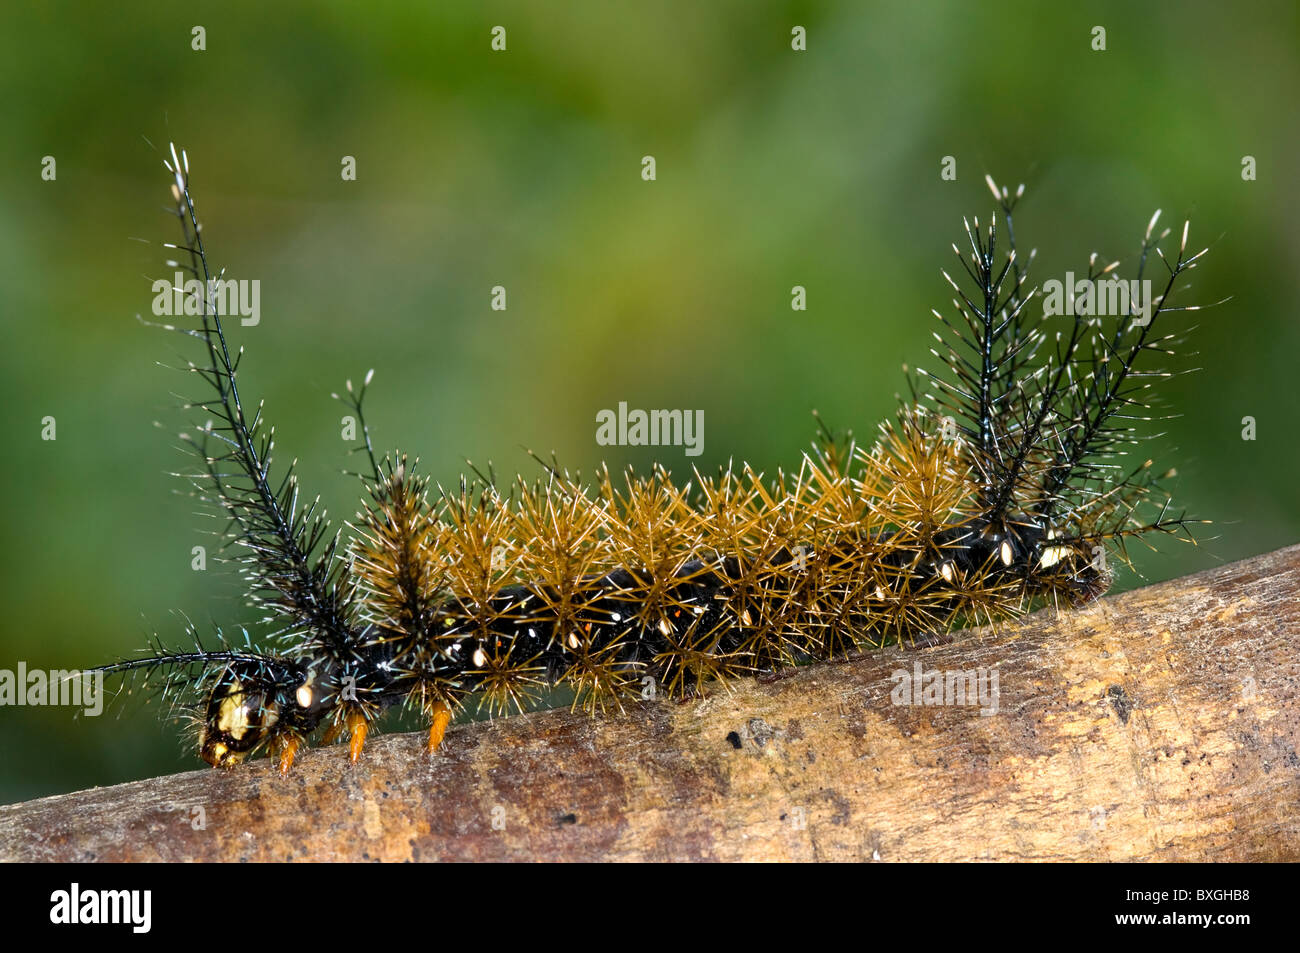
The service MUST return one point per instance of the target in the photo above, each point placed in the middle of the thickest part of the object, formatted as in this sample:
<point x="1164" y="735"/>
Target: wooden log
<point x="1161" y="724"/>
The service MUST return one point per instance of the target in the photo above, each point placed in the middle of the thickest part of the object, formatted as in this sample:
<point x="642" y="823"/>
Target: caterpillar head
<point x="249" y="705"/>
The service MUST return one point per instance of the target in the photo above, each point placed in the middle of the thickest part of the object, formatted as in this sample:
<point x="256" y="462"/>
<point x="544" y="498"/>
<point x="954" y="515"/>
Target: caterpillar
<point x="999" y="485"/>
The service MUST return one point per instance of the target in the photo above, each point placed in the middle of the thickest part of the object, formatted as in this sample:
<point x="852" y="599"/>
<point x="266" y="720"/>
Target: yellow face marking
<point x="573" y="640"/>
<point x="947" y="572"/>
<point x="1005" y="553"/>
<point x="480" y="659"/>
<point x="303" y="698"/>
<point x="232" y="715"/>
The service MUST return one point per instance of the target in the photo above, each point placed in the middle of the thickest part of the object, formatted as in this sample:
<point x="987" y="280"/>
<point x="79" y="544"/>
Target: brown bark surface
<point x="1161" y="724"/>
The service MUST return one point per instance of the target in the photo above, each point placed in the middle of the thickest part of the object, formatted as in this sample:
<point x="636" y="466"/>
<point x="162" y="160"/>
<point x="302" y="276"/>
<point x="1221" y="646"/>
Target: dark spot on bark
<point x="734" y="738"/>
<point x="841" y="805"/>
<point x="1120" y="701"/>
<point x="569" y="819"/>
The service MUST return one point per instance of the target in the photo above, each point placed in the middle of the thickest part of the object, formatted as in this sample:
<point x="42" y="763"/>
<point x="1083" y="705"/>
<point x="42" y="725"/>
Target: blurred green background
<point x="476" y="168"/>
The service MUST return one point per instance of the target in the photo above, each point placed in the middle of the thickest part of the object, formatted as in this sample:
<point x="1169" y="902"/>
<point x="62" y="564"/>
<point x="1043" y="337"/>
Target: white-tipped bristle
<point x="1152" y="224"/>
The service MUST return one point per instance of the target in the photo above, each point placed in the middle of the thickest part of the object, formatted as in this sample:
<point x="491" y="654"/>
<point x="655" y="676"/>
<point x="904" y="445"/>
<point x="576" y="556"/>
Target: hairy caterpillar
<point x="998" y="486"/>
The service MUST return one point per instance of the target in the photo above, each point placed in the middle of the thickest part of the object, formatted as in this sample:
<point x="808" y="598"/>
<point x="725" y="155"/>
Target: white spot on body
<point x="1053" y="555"/>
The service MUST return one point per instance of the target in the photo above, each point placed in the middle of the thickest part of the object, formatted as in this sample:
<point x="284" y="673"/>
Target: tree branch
<point x="1161" y="724"/>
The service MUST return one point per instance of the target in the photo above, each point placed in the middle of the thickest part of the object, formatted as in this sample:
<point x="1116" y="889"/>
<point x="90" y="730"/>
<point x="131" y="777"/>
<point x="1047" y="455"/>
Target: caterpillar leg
<point x="357" y="730"/>
<point x="932" y="640"/>
<point x="288" y="748"/>
<point x="441" y="719"/>
<point x="332" y="733"/>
